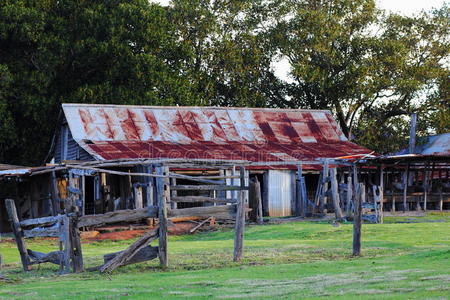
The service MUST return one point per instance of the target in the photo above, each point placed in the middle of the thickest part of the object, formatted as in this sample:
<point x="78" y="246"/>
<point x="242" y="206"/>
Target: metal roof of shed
<point x="254" y="134"/>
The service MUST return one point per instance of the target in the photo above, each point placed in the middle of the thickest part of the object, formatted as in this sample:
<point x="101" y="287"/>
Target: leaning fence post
<point x="162" y="185"/>
<point x="18" y="233"/>
<point x="240" y="219"/>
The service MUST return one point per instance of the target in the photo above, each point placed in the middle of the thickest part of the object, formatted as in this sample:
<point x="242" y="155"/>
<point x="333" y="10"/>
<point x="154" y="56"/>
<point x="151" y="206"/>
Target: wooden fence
<point x="66" y="225"/>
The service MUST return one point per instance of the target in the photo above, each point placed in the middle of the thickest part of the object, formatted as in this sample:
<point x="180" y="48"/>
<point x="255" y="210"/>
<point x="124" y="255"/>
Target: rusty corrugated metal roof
<point x="255" y="134"/>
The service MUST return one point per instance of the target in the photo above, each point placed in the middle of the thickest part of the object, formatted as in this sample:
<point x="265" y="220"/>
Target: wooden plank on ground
<point x="144" y="254"/>
<point x="40" y="258"/>
<point x="125" y="256"/>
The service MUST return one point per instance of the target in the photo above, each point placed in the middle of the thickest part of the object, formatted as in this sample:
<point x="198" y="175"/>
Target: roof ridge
<point x="193" y="107"/>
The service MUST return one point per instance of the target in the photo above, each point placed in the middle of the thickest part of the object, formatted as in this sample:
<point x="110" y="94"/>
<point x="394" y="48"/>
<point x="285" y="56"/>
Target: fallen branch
<point x="199" y="225"/>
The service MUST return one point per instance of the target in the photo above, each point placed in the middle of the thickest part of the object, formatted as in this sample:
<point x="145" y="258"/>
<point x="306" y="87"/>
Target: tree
<point x="119" y="51"/>
<point x="368" y="67"/>
<point x="229" y="61"/>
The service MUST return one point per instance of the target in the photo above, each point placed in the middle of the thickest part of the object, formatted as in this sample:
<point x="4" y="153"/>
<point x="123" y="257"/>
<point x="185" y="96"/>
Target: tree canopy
<point x="370" y="67"/>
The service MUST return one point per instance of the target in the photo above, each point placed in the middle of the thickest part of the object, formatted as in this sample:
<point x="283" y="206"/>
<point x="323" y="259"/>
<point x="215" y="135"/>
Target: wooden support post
<point x="173" y="182"/>
<point x="18" y="233"/>
<point x="299" y="200"/>
<point x="357" y="221"/>
<point x="348" y="203"/>
<point x="381" y="193"/>
<point x="55" y="193"/>
<point x="240" y="220"/>
<point x="441" y="198"/>
<point x="325" y="179"/>
<point x="67" y="247"/>
<point x="405" y="187"/>
<point x="75" y="242"/>
<point x="259" y="215"/>
<point x="162" y="188"/>
<point x="425" y="187"/>
<point x="392" y="192"/>
<point x="335" y="194"/>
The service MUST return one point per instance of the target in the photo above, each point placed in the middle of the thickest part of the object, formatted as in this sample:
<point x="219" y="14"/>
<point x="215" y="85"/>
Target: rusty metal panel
<point x="281" y="192"/>
<point x="255" y="134"/>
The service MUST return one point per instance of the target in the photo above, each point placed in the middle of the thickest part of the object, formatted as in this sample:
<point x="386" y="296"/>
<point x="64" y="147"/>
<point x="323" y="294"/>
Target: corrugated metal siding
<point x="57" y="153"/>
<point x="281" y="192"/>
<point x="74" y="151"/>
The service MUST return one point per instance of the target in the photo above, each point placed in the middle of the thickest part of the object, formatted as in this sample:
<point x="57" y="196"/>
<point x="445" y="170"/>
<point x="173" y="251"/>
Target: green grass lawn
<point x="287" y="261"/>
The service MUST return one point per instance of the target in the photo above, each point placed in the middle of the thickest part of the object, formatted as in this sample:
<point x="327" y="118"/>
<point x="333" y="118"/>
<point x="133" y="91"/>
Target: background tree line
<point x="371" y="68"/>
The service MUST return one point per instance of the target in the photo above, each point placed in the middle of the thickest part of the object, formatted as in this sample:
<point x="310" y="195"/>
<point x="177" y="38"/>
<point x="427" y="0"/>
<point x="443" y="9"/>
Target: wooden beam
<point x="197" y="199"/>
<point x="405" y="187"/>
<point x="298" y="199"/>
<point x="77" y="253"/>
<point x="162" y="187"/>
<point x="220" y="212"/>
<point x="325" y="179"/>
<point x="349" y="194"/>
<point x="65" y="239"/>
<point x="144" y="254"/>
<point x="335" y="195"/>
<point x="240" y="220"/>
<point x="357" y="221"/>
<point x="51" y="231"/>
<point x="208" y="187"/>
<point x="39" y="221"/>
<point x="381" y="193"/>
<point x="125" y="256"/>
<point x="259" y="215"/>
<point x="40" y="258"/>
<point x="118" y="216"/>
<point x="18" y="233"/>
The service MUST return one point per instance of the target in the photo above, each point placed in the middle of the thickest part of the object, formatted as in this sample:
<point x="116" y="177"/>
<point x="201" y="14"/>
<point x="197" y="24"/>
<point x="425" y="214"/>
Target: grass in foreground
<point x="289" y="261"/>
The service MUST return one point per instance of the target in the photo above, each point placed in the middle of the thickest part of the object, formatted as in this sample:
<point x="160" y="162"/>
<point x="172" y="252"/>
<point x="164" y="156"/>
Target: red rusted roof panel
<point x="255" y="134"/>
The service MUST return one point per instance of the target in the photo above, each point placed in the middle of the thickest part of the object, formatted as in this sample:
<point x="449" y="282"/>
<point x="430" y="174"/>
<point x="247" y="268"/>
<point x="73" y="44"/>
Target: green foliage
<point x="370" y="68"/>
<point x="122" y="51"/>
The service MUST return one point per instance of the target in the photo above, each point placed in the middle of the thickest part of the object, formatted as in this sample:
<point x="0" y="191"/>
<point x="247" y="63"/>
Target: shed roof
<point x="436" y="145"/>
<point x="254" y="134"/>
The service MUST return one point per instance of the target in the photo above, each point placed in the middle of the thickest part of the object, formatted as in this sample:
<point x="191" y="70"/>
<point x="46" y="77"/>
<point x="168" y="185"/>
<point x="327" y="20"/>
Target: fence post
<point x="357" y="221"/>
<point x="162" y="189"/>
<point x="18" y="233"/>
<point x="240" y="219"/>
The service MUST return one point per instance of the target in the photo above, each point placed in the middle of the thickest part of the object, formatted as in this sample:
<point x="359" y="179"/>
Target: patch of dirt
<point x="116" y="234"/>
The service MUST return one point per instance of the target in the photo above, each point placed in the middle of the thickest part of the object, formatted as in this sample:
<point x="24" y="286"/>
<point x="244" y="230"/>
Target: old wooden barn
<point x="270" y="139"/>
